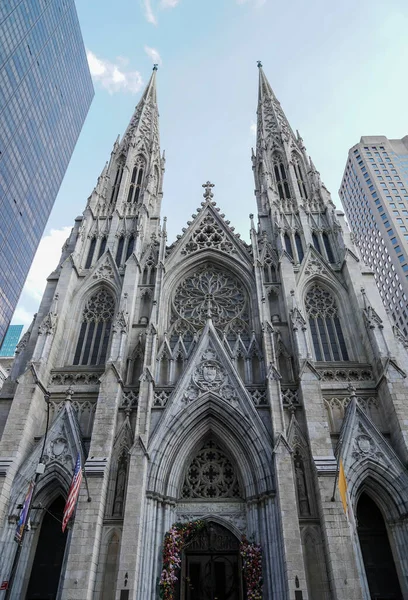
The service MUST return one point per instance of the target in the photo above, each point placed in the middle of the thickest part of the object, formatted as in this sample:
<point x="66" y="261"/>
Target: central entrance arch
<point x="211" y="567"/>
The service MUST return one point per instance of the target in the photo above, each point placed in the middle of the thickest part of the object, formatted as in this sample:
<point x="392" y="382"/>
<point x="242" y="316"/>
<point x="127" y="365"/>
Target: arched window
<point x="288" y="245"/>
<point x="136" y="180"/>
<point x="211" y="475"/>
<point x="90" y="253"/>
<point x="299" y="247"/>
<point x="300" y="180"/>
<point x="281" y="179"/>
<point x="119" y="251"/>
<point x="130" y="246"/>
<point x="316" y="242"/>
<point x="327" y="335"/>
<point x="328" y="247"/>
<point x="102" y="247"/>
<point x="95" y="329"/>
<point x="116" y="185"/>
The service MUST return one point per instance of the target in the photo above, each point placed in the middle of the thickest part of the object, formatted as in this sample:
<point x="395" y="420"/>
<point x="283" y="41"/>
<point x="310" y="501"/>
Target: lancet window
<point x="316" y="242"/>
<point x="102" y="246"/>
<point x="299" y="247"/>
<point x="91" y="252"/>
<point x="136" y="180"/>
<point x="269" y="270"/>
<point x="328" y="248"/>
<point x="119" y="250"/>
<point x="211" y="474"/>
<point x="281" y="180"/>
<point x="327" y="335"/>
<point x="300" y="180"/>
<point x="93" y="340"/>
<point x="130" y="246"/>
<point x="116" y="185"/>
<point x="288" y="245"/>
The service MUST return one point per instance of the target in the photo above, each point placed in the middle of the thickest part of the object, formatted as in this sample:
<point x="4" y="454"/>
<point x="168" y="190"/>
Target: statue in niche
<point x="304" y="506"/>
<point x="120" y="485"/>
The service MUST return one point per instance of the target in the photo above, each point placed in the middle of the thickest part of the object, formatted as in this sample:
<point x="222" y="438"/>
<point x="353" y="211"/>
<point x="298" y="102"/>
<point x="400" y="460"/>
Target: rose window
<point x="211" y="475"/>
<point x="209" y="291"/>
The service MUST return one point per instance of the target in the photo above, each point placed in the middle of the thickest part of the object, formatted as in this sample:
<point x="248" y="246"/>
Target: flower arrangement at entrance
<point x="174" y="541"/>
<point x="251" y="555"/>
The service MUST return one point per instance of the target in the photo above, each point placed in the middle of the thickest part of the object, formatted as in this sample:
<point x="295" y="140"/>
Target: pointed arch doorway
<point x="377" y="555"/>
<point x="49" y="555"/>
<point x="211" y="566"/>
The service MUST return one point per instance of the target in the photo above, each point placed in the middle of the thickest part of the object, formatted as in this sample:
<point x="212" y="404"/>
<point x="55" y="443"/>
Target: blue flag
<point x="24" y="513"/>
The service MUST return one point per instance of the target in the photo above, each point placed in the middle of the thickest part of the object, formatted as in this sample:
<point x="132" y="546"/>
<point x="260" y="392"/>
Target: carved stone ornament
<point x="212" y="291"/>
<point x="364" y="443"/>
<point x="365" y="447"/>
<point x="58" y="449"/>
<point x="210" y="376"/>
<point x="209" y="234"/>
<point x="211" y="475"/>
<point x="314" y="267"/>
<point x="104" y="271"/>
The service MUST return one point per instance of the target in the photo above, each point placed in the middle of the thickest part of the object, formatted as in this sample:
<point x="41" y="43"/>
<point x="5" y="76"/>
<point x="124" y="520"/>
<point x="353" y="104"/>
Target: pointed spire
<point x="272" y="122"/>
<point x="145" y="116"/>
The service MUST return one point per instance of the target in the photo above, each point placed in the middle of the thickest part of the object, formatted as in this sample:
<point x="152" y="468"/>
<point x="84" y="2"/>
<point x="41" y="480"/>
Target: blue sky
<point x="338" y="69"/>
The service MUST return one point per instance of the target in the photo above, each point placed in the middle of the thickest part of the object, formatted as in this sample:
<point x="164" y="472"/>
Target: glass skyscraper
<point x="45" y="93"/>
<point x="374" y="193"/>
<point x="10" y="341"/>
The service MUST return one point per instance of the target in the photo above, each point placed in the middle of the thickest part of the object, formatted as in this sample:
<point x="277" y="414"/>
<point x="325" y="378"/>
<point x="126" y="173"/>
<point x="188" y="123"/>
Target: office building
<point x="374" y="193"/>
<point x="10" y="341"/>
<point x="46" y="91"/>
<point x="205" y="383"/>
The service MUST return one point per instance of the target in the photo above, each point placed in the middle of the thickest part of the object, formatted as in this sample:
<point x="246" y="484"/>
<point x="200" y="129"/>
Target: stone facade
<point x="208" y="379"/>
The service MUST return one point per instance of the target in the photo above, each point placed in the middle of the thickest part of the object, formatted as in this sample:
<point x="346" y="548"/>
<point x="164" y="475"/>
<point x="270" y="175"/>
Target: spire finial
<point x="155" y="67"/>
<point x="259" y="63"/>
<point x="208" y="193"/>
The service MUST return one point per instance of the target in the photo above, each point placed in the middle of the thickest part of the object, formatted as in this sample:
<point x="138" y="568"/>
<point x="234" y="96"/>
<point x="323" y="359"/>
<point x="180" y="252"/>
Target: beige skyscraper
<point x="374" y="193"/>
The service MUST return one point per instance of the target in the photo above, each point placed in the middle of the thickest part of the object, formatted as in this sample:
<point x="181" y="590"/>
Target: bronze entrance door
<point x="211" y="566"/>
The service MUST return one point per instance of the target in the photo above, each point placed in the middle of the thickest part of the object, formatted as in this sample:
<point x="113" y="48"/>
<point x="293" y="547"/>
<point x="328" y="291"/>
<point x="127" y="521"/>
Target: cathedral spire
<point x="145" y="117"/>
<point x="273" y="126"/>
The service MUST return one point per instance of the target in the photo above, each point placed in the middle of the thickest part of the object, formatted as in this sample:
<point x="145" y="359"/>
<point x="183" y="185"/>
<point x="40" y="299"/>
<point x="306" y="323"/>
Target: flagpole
<point x="352" y="391"/>
<point x="39" y="471"/>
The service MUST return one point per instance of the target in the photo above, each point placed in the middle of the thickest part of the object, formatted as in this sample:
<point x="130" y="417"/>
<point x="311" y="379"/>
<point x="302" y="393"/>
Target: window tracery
<point x="211" y="475"/>
<point x="95" y="329"/>
<point x="325" y="327"/>
<point x="209" y="289"/>
<point x="208" y="235"/>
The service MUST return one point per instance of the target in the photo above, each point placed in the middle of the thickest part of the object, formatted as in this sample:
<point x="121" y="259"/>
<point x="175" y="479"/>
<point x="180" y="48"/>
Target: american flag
<point x="73" y="493"/>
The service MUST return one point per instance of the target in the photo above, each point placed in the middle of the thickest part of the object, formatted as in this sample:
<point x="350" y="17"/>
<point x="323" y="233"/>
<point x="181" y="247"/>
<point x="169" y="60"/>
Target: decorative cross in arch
<point x="208" y="193"/>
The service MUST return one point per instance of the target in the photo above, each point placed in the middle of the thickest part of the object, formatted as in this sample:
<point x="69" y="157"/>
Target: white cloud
<point x="45" y="261"/>
<point x="169" y="3"/>
<point x="22" y="317"/>
<point x="153" y="54"/>
<point x="150" y="17"/>
<point x="114" y="77"/>
<point x="252" y="128"/>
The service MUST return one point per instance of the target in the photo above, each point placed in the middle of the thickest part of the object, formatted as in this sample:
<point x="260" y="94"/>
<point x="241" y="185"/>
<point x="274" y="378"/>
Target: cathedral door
<point x="211" y="566"/>
<point x="46" y="571"/>
<point x="379" y="564"/>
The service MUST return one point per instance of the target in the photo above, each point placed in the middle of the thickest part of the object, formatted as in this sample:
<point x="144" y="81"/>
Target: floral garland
<point x="180" y="534"/>
<point x="174" y="541"/>
<point x="251" y="555"/>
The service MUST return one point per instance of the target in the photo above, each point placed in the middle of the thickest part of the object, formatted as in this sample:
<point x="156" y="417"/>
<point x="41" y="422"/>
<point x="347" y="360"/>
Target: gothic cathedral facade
<point x="209" y="379"/>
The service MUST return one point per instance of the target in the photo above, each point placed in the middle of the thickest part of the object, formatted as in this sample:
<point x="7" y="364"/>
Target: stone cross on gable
<point x="208" y="193"/>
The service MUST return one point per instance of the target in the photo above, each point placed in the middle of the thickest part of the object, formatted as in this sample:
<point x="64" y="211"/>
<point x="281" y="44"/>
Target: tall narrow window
<point x="119" y="251"/>
<point x="281" y="180"/>
<point x="90" y="253"/>
<point x="136" y="180"/>
<point x="299" y="247"/>
<point x="130" y="246"/>
<point x="325" y="327"/>
<point x="102" y="247"/>
<point x="316" y="242"/>
<point x="95" y="329"/>
<point x="288" y="245"/>
<point x="328" y="247"/>
<point x="116" y="185"/>
<point x="300" y="180"/>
